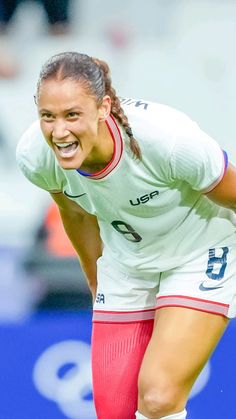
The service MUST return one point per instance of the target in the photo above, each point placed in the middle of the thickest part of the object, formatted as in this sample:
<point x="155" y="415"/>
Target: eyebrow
<point x="75" y="108"/>
<point x="44" y="110"/>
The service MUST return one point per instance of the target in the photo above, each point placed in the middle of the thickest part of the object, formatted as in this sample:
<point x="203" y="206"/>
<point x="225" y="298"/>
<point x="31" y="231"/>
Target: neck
<point x="103" y="153"/>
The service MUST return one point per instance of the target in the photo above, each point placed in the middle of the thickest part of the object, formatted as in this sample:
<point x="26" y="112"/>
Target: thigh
<point x="117" y="353"/>
<point x="182" y="341"/>
<point x="193" y="304"/>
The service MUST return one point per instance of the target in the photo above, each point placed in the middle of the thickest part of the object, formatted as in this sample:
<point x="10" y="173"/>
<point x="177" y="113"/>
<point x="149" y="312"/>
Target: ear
<point x="104" y="109"/>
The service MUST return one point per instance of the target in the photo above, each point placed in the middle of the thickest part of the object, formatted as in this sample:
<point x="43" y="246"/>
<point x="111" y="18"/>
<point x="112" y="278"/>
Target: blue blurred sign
<point x="45" y="368"/>
<point x="46" y="374"/>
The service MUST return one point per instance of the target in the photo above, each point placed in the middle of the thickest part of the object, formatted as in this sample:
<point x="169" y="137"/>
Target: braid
<point x="116" y="109"/>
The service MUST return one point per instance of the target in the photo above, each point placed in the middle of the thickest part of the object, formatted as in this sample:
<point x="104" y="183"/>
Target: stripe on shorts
<point x="123" y="316"/>
<point x="194" y="303"/>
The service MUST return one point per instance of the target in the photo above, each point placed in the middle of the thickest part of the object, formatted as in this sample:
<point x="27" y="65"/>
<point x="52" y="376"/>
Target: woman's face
<point x="70" y="120"/>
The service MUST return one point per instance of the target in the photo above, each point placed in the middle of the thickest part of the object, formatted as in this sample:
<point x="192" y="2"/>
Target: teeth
<point x="61" y="145"/>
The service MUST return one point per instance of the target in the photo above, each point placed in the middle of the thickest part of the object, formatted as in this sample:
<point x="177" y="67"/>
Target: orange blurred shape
<point x="57" y="241"/>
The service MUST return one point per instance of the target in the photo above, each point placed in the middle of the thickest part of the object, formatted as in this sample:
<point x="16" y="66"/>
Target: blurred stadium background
<point x="179" y="52"/>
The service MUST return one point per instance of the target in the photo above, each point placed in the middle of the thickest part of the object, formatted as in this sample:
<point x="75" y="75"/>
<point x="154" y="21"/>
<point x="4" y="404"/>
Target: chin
<point x="68" y="165"/>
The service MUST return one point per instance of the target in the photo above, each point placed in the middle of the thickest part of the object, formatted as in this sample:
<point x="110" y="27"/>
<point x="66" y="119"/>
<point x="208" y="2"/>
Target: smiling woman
<point x="153" y="225"/>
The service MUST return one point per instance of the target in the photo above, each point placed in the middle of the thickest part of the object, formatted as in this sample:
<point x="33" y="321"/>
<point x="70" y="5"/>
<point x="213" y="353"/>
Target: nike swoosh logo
<point x="203" y="288"/>
<point x="74" y="196"/>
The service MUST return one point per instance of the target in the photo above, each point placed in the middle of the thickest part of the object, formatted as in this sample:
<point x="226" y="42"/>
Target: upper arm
<point x="72" y="213"/>
<point x="67" y="205"/>
<point x="225" y="192"/>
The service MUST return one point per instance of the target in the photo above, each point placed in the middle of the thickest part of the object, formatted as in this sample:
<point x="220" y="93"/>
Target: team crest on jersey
<point x="144" y="198"/>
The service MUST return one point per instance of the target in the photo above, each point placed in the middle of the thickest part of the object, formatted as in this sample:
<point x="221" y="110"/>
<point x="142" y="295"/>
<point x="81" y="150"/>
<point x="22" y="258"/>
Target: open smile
<point x="67" y="150"/>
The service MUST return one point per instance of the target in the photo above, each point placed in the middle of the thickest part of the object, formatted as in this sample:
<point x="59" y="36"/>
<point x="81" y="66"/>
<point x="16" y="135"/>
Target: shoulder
<point x="32" y="148"/>
<point x="156" y="121"/>
<point x="157" y="127"/>
<point x="35" y="158"/>
<point x="157" y="114"/>
<point x="174" y="143"/>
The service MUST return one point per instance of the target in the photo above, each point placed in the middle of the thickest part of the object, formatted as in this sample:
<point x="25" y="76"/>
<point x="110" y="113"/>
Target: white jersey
<point x="152" y="213"/>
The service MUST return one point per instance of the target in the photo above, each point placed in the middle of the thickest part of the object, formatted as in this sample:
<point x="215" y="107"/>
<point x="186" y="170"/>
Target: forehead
<point x="53" y="91"/>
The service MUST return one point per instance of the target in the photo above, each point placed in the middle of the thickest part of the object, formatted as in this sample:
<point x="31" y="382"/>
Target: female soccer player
<point x="148" y="201"/>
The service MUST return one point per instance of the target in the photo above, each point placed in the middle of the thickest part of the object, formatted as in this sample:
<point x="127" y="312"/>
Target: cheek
<point x="86" y="131"/>
<point x="46" y="133"/>
<point x="46" y="130"/>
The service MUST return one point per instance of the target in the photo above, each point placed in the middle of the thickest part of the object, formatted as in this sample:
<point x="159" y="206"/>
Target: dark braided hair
<point x="95" y="76"/>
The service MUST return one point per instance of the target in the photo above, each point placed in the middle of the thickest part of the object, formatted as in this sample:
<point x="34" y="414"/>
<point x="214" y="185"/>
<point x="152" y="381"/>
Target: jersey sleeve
<point x="37" y="178"/>
<point x="198" y="159"/>
<point x="36" y="161"/>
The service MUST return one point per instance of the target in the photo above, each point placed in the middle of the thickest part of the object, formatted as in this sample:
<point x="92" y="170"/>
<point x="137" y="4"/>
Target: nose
<point x="59" y="129"/>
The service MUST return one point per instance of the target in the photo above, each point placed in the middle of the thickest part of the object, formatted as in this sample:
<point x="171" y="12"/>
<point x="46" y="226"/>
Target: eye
<point x="72" y="115"/>
<point x="46" y="116"/>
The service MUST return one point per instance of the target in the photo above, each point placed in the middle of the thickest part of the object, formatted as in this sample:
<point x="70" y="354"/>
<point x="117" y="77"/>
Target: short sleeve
<point x="33" y="176"/>
<point x="197" y="159"/>
<point x="36" y="160"/>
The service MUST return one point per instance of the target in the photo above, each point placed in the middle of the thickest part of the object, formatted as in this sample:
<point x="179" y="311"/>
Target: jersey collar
<point x="118" y="150"/>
